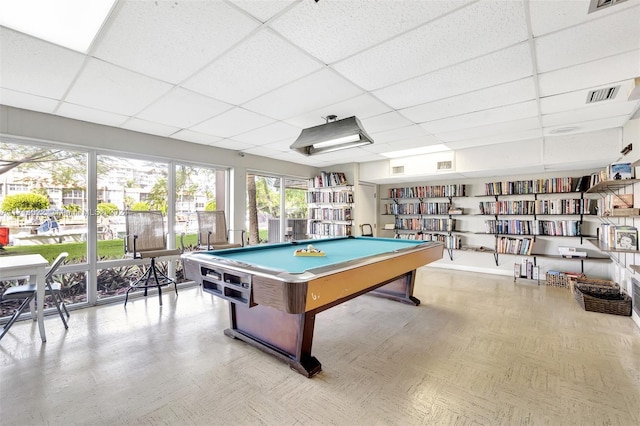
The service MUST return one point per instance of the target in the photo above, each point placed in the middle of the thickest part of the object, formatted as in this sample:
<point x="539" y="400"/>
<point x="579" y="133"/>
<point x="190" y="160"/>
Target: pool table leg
<point x="399" y="289"/>
<point x="288" y="337"/>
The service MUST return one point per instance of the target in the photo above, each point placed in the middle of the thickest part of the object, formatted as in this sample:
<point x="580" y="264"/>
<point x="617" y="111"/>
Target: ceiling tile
<point x="256" y="66"/>
<point x="507" y="65"/>
<point x="27" y="101"/>
<point x="577" y="99"/>
<point x="331" y="30"/>
<point x="596" y="111"/>
<point x="34" y="66"/>
<point x="483" y="118"/>
<point x="315" y="91"/>
<point x="144" y="126"/>
<point x="491" y="131"/>
<point x="270" y="133"/>
<point x="491" y="97"/>
<point x="171" y="40"/>
<point x="296" y="157"/>
<point x="614" y="34"/>
<point x="231" y="144"/>
<point x="109" y="88"/>
<point x="363" y="106"/>
<point x="410" y="143"/>
<point x="232" y="122"/>
<point x="596" y="73"/>
<point x="594" y="125"/>
<point x="191" y="136"/>
<point x="413" y="131"/>
<point x="283" y="145"/>
<point x="183" y="108"/>
<point x="457" y="37"/>
<point x="388" y="121"/>
<point x="91" y="115"/>
<point x="548" y="16"/>
<point x="263" y="10"/>
<point x="261" y="151"/>
<point x="496" y="139"/>
<point x="377" y="148"/>
<point x="365" y="157"/>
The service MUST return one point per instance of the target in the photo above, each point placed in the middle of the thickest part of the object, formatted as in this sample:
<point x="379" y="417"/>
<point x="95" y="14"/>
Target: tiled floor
<point x="480" y="349"/>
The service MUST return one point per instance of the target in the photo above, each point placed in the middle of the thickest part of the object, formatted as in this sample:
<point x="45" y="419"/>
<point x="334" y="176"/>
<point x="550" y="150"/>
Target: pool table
<point x="274" y="296"/>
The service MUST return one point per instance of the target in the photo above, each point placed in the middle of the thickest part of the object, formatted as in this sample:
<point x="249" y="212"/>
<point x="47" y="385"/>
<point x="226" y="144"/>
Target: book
<point x="571" y="253"/>
<point x="620" y="171"/>
<point x="626" y="238"/>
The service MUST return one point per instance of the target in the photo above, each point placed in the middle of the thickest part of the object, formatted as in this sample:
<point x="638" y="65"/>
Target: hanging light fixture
<point x="334" y="135"/>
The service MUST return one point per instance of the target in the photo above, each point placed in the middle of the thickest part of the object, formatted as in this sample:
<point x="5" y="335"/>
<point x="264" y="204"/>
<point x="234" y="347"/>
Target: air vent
<point x="444" y="165"/>
<point x="602" y="94"/>
<point x="397" y="170"/>
<point x="596" y="5"/>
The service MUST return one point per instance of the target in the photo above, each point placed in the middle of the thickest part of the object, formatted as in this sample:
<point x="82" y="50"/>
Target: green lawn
<point x="110" y="249"/>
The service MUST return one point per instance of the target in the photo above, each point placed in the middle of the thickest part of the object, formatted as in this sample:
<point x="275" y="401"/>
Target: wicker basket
<point x="562" y="279"/>
<point x="591" y="303"/>
<point x="603" y="289"/>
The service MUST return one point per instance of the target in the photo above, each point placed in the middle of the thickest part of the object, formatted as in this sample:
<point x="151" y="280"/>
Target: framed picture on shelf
<point x="626" y="238"/>
<point x="620" y="171"/>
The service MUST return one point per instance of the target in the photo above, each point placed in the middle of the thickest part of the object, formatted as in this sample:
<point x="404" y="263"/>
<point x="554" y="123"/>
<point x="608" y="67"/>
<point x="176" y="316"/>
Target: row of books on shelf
<point x="618" y="237"/>
<point x="450" y="241"/>
<point x="532" y="186"/>
<point x="567" y="228"/>
<point x="572" y="206"/>
<point x="330" y="214"/>
<point x="417" y="208"/>
<point x="328" y="179"/>
<point x="329" y="229"/>
<point x="429" y="191"/>
<point x="445" y="225"/>
<point x="509" y="245"/>
<point x="614" y="171"/>
<point x="319" y="197"/>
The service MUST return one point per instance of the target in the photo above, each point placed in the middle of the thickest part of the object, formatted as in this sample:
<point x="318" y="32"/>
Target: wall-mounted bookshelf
<point x="330" y="205"/>
<point x="417" y="218"/>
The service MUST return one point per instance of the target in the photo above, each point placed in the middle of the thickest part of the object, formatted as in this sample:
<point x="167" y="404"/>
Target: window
<point x="196" y="189"/>
<point x="37" y="213"/>
<point x="268" y="199"/>
<point x="124" y="184"/>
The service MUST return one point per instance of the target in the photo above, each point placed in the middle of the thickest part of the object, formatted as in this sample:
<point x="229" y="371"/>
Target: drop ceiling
<point x="249" y="75"/>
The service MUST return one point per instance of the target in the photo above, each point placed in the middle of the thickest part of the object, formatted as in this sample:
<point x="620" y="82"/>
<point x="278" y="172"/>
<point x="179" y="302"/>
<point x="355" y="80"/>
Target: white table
<point x="35" y="267"/>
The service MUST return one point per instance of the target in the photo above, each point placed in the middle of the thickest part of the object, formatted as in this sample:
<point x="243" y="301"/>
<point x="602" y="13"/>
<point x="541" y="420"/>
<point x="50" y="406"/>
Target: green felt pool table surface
<point x="280" y="256"/>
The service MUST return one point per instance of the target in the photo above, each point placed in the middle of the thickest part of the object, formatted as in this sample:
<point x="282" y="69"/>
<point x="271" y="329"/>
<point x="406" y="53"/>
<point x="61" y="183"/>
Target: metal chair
<point x="212" y="231"/>
<point x="366" y="230"/>
<point x="27" y="293"/>
<point x="146" y="239"/>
